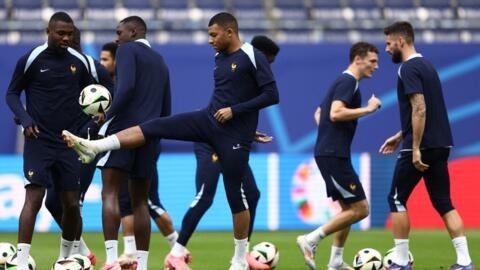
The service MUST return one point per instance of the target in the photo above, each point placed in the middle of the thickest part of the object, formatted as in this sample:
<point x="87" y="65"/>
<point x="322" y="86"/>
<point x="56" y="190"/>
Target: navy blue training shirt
<point x="417" y="75"/>
<point x="142" y="86"/>
<point x="244" y="82"/>
<point x="52" y="82"/>
<point x="335" y="138"/>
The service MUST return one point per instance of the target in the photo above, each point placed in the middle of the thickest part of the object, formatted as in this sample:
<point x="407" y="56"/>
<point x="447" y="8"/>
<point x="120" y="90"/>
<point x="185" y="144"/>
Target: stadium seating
<point x="289" y="20"/>
<point x="21" y="10"/>
<point x="71" y="7"/>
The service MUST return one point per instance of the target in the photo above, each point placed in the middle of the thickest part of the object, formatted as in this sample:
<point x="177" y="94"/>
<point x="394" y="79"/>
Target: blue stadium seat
<point x="26" y="10"/>
<point x="468" y="3"/>
<point x="173" y="10"/>
<point x="100" y="10"/>
<point x="399" y="3"/>
<point x="468" y="9"/>
<point x="173" y="4"/>
<point x="4" y="10"/>
<point x="69" y="6"/>
<point x="287" y="9"/>
<point x="326" y="10"/>
<point x="210" y="4"/>
<point x="400" y="10"/>
<point x="144" y="8"/>
<point x="436" y="3"/>
<point x="365" y="9"/>
<point x="438" y="9"/>
<point x="248" y="9"/>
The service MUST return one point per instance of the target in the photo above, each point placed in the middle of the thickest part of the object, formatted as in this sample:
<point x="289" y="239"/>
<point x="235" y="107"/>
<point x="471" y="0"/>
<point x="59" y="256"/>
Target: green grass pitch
<point x="432" y="249"/>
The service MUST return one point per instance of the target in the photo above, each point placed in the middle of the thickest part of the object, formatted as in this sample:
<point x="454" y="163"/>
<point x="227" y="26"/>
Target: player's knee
<point x="253" y="197"/>
<point x="442" y="206"/>
<point x="361" y="210"/>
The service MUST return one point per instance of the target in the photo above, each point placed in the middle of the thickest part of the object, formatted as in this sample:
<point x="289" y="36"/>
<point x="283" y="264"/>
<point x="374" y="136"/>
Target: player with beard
<point x="427" y="140"/>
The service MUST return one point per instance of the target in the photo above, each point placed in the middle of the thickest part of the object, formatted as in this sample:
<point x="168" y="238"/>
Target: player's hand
<point x="223" y="115"/>
<point x="99" y="119"/>
<point x="390" y="144"/>
<point x="417" y="160"/>
<point x="262" y="137"/>
<point x="374" y="103"/>
<point x="31" y="132"/>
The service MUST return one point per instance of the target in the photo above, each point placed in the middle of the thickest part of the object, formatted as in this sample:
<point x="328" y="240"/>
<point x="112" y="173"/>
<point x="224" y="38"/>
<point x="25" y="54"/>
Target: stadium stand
<point x="286" y="20"/>
<point x="71" y="7"/>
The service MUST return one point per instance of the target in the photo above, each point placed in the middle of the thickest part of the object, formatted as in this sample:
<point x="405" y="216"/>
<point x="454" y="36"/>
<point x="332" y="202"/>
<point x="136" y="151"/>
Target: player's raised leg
<point x="87" y="150"/>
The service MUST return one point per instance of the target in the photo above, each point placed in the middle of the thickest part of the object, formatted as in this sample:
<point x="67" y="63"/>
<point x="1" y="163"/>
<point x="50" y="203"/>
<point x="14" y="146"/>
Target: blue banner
<point x="303" y="73"/>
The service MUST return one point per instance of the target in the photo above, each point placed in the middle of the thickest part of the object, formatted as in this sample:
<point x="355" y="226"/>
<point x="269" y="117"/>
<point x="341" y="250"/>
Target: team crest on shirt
<point x="353" y="187"/>
<point x="214" y="157"/>
<point x="30" y="173"/>
<point x="233" y="66"/>
<point x="73" y="68"/>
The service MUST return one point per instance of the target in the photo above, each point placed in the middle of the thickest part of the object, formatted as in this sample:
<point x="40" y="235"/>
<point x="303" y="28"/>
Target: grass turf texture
<point x="432" y="249"/>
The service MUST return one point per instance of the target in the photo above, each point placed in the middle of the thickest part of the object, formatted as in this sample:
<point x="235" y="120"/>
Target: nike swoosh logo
<point x="44" y="70"/>
<point x="236" y="146"/>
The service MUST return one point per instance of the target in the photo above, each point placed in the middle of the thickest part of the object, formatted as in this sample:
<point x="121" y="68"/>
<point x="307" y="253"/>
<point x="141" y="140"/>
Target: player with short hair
<point x="88" y="130"/>
<point x="337" y="118"/>
<point x="142" y="81"/>
<point x="244" y="84"/>
<point x="208" y="172"/>
<point x="52" y="76"/>
<point x="427" y="139"/>
<point x="107" y="57"/>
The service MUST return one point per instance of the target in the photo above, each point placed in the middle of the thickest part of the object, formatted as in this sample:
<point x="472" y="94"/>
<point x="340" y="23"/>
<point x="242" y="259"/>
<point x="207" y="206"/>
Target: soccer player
<point x="158" y="213"/>
<point x="427" y="139"/>
<point x="52" y="76"/>
<point x="244" y="84"/>
<point x="337" y="121"/>
<point x="128" y="259"/>
<point x="208" y="172"/>
<point x="88" y="130"/>
<point x="107" y="57"/>
<point x="142" y="81"/>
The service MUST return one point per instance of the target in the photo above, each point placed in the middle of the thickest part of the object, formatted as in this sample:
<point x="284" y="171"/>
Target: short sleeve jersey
<point x="417" y="75"/>
<point x="335" y="138"/>
<point x="243" y="81"/>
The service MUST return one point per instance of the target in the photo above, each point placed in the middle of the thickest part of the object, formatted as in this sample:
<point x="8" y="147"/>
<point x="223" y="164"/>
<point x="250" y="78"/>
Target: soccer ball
<point x="367" y="259"/>
<point x="266" y="253"/>
<point x="84" y="261"/>
<point x="11" y="263"/>
<point x="95" y="99"/>
<point x="67" y="264"/>
<point x="6" y="250"/>
<point x="389" y="255"/>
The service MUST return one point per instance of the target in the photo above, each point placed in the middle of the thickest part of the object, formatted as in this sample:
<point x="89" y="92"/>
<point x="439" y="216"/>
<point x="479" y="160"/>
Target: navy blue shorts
<point x="436" y="178"/>
<point x="138" y="162"/>
<point x="48" y="166"/>
<point x="155" y="207"/>
<point x="233" y="153"/>
<point x="340" y="178"/>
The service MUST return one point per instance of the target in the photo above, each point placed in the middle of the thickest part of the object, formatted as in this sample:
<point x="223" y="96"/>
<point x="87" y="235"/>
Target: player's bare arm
<point x="340" y="112"/>
<point x="417" y="101"/>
